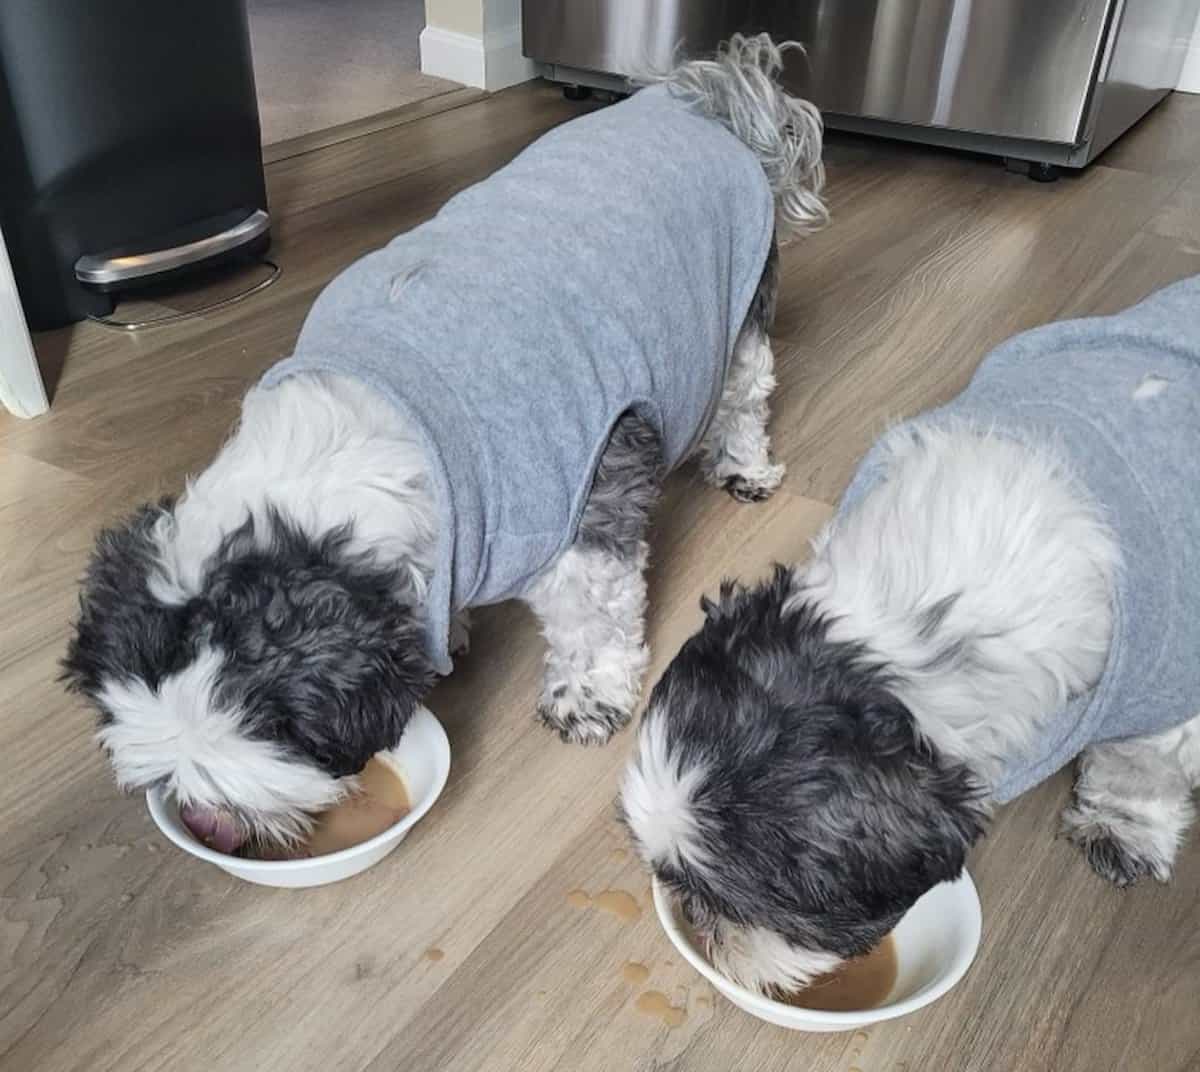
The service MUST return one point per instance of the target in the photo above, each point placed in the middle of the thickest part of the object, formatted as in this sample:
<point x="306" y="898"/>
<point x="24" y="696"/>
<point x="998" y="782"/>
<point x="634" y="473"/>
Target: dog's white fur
<point x="324" y="451"/>
<point x="1003" y="526"/>
<point x="736" y="449"/>
<point x="592" y="606"/>
<point x="1137" y="794"/>
<point x="657" y="801"/>
<point x="178" y="735"/>
<point x="759" y="959"/>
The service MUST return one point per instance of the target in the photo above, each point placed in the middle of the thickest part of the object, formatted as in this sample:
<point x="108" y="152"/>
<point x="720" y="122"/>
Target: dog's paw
<point x="1122" y="853"/>
<point x="755" y="485"/>
<point x="579" y="717"/>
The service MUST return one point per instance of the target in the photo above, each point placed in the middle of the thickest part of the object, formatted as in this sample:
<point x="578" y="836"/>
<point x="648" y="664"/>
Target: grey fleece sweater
<point x="1073" y="384"/>
<point x="607" y="268"/>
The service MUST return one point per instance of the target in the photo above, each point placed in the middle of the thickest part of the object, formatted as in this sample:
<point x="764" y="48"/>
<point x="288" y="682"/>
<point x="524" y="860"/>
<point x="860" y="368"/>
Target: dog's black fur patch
<point x="625" y="489"/>
<point x="123" y="631"/>
<point x="823" y="813"/>
<point x="319" y="655"/>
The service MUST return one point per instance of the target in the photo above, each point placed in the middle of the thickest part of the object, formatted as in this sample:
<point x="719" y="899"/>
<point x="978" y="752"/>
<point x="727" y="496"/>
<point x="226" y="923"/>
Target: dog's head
<point x="785" y="795"/>
<point x="253" y="697"/>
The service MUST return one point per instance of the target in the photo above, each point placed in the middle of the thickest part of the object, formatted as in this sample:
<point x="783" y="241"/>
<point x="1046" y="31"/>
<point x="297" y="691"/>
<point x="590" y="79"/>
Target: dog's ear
<point x="363" y="700"/>
<point x="320" y="652"/>
<point x="123" y="630"/>
<point x="928" y="806"/>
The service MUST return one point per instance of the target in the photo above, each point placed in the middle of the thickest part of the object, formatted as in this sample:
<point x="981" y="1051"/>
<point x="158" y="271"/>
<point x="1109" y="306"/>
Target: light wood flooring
<point x="119" y="953"/>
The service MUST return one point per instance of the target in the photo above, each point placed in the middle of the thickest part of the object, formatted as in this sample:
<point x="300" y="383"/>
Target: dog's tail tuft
<point x="740" y="89"/>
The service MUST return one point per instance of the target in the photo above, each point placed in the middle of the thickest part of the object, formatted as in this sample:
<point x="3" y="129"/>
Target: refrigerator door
<point x="1017" y="68"/>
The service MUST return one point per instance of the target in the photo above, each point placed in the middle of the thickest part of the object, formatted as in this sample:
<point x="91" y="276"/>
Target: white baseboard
<point x="506" y="66"/>
<point x="456" y="56"/>
<point x="1189" y="77"/>
<point x="490" y="62"/>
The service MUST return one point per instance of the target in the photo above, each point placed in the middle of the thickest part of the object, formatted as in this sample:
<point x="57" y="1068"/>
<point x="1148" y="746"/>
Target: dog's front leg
<point x="592" y="606"/>
<point x="592" y="600"/>
<point x="1133" y="803"/>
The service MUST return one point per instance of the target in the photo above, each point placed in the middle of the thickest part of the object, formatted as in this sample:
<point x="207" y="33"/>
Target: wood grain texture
<point x="117" y="952"/>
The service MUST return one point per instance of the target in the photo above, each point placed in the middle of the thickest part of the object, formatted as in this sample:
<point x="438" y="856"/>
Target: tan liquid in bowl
<point x="381" y="802"/>
<point x="861" y="983"/>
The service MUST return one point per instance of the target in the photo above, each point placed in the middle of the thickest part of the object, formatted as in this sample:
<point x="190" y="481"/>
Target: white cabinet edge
<point x="22" y="391"/>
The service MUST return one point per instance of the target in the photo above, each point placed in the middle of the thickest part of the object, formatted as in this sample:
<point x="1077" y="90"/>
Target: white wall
<point x="475" y="42"/>
<point x="1189" y="78"/>
<point x="459" y="16"/>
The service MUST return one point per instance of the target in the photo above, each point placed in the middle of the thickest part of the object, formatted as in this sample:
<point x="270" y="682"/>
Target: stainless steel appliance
<point x="1047" y="82"/>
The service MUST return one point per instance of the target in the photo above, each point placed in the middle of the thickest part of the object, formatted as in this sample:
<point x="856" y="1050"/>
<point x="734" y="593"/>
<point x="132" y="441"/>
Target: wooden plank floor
<point x="117" y="952"/>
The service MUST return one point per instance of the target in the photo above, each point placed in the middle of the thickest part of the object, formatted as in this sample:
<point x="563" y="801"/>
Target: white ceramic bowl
<point x="423" y="759"/>
<point x="935" y="944"/>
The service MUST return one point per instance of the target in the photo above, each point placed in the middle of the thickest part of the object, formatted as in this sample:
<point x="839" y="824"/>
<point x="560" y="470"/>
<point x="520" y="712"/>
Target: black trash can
<point x="129" y="147"/>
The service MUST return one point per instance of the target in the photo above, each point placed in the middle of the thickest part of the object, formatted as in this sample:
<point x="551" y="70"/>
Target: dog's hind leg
<point x="592" y="600"/>
<point x="735" y="453"/>
<point x="1133" y="803"/>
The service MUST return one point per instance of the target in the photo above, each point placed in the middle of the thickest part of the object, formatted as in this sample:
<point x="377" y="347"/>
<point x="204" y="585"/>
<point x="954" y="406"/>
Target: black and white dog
<point x="831" y="742"/>
<point x="250" y="645"/>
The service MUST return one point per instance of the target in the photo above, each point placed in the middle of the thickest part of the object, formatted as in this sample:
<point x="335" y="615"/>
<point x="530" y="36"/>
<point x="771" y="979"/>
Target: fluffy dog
<point x="483" y="410"/>
<point x="1010" y="582"/>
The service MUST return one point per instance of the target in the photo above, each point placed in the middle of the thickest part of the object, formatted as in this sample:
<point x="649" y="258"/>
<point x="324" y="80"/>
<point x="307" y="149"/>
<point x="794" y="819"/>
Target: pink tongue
<point x="212" y="826"/>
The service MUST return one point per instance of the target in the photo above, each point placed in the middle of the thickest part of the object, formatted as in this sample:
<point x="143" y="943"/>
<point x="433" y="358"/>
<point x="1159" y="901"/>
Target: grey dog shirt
<point x="609" y="267"/>
<point x="1120" y="397"/>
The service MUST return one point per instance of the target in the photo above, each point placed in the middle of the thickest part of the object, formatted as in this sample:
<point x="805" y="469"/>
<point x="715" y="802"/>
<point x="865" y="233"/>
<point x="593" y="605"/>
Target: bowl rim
<point x="964" y="956"/>
<point x="156" y="803"/>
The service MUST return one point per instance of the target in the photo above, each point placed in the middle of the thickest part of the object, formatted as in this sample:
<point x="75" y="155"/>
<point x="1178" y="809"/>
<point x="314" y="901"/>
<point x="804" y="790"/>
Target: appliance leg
<point x="576" y="92"/>
<point x="1033" y="169"/>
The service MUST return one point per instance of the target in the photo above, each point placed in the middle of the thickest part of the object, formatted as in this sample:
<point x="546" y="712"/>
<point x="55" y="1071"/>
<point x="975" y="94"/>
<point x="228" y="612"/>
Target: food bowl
<point x="935" y="943"/>
<point x="422" y="758"/>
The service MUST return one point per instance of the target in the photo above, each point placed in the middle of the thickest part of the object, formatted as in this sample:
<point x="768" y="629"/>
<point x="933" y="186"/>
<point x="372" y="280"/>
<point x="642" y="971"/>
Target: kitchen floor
<point x="319" y="64"/>
<point x="118" y="952"/>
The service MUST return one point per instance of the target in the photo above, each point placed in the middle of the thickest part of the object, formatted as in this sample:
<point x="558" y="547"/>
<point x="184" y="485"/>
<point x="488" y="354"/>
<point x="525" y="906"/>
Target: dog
<point x="483" y="410"/>
<point x="1010" y="582"/>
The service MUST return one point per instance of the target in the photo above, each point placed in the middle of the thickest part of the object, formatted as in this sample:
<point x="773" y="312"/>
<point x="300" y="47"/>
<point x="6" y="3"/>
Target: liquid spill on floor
<point x="619" y="903"/>
<point x="652" y="1003"/>
<point x="618" y="855"/>
<point x="635" y="973"/>
<point x="434" y="954"/>
<point x="616" y="902"/>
